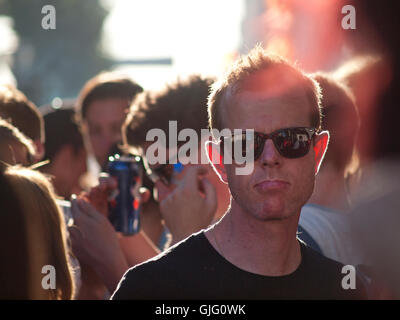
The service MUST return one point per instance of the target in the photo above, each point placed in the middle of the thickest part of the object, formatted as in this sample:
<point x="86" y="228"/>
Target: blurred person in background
<point x="101" y="110"/>
<point x="325" y="217"/>
<point x="15" y="276"/>
<point x="23" y="114"/>
<point x="184" y="101"/>
<point x="104" y="254"/>
<point x="45" y="232"/>
<point x="367" y="76"/>
<point x="65" y="150"/>
<point x="375" y="218"/>
<point x="196" y="197"/>
<point x="15" y="147"/>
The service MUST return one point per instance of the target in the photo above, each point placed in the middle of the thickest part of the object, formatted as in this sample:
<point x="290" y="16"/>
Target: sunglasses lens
<point x="292" y="143"/>
<point x="239" y="145"/>
<point x="166" y="172"/>
<point x="258" y="146"/>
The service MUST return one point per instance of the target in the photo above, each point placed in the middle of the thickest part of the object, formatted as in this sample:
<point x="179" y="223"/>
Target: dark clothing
<point x="195" y="270"/>
<point x="304" y="236"/>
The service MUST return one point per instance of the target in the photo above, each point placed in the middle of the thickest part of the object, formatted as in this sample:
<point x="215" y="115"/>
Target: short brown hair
<point x="21" y="113"/>
<point x="184" y="101"/>
<point x="61" y="130"/>
<point x="244" y="69"/>
<point x="105" y="85"/>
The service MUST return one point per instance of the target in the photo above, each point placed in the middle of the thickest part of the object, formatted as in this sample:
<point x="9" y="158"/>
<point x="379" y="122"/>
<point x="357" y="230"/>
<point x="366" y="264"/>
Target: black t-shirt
<point x="193" y="269"/>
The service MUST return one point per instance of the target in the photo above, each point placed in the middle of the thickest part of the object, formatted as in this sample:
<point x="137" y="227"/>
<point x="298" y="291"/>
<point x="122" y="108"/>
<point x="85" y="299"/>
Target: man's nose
<point x="270" y="156"/>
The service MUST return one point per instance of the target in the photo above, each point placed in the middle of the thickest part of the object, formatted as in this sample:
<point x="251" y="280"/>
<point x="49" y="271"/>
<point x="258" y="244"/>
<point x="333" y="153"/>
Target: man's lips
<point x="271" y="185"/>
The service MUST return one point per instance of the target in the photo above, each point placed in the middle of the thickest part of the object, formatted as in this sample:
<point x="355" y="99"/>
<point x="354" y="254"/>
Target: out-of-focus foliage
<point x="50" y="63"/>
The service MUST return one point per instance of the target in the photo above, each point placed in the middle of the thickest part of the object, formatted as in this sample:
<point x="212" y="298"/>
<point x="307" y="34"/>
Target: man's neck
<point x="330" y="190"/>
<point x="268" y="248"/>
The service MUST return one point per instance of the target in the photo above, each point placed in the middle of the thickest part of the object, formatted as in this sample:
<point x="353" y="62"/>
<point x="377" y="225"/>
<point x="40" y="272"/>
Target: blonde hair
<point x="46" y="233"/>
<point x="256" y="61"/>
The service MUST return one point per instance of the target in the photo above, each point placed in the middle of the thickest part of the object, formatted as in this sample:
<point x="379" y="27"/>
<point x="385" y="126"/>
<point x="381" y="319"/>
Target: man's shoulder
<point x="181" y="253"/>
<point x="317" y="261"/>
<point x="163" y="272"/>
<point x="342" y="281"/>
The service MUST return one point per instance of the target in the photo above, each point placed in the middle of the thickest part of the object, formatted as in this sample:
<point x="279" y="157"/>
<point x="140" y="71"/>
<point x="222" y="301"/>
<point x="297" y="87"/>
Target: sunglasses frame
<point x="265" y="136"/>
<point x="156" y="173"/>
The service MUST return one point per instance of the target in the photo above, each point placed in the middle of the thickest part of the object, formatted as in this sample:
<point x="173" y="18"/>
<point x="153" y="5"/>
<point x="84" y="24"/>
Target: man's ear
<point x="320" y="146"/>
<point x="215" y="158"/>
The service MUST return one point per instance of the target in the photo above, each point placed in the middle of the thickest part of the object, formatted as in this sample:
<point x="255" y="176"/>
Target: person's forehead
<point x="268" y="109"/>
<point x="107" y="109"/>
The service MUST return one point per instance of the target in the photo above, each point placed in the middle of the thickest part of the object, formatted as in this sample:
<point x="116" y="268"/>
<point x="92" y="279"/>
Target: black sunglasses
<point x="164" y="172"/>
<point x="290" y="142"/>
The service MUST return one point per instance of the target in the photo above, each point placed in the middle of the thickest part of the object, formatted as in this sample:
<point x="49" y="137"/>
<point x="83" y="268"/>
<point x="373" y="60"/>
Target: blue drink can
<point x="124" y="207"/>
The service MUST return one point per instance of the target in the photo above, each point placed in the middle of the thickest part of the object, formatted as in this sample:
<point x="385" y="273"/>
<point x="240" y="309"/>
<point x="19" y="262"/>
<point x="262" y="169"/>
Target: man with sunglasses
<point x="253" y="251"/>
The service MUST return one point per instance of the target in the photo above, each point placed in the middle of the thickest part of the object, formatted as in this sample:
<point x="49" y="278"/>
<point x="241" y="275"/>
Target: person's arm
<point x="95" y="243"/>
<point x="136" y="248"/>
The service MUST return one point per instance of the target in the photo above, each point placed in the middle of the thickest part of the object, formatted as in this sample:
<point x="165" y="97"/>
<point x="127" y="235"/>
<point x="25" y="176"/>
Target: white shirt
<point x="331" y="230"/>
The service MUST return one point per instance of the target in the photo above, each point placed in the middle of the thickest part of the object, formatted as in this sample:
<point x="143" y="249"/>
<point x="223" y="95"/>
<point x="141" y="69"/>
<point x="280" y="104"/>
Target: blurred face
<point x="77" y="170"/>
<point x="278" y="187"/>
<point x="104" y="119"/>
<point x="67" y="167"/>
<point x="162" y="188"/>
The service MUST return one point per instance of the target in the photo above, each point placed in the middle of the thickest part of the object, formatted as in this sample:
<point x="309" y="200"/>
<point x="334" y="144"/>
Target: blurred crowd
<point x="56" y="186"/>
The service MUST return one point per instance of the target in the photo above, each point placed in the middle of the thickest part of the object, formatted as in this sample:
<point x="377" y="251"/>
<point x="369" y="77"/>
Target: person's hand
<point x="95" y="243"/>
<point x="98" y="195"/>
<point x="136" y="248"/>
<point x="191" y="206"/>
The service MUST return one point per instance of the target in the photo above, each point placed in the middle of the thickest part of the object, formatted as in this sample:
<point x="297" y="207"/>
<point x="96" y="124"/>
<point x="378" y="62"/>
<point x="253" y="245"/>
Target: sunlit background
<point x="197" y="36"/>
<point x="155" y="41"/>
